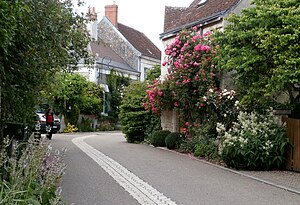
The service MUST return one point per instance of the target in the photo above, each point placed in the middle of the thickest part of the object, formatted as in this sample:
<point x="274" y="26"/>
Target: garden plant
<point x="173" y="140"/>
<point x="30" y="172"/>
<point x="260" y="47"/>
<point x="191" y="73"/>
<point x="137" y="123"/>
<point x="254" y="142"/>
<point x="158" y="138"/>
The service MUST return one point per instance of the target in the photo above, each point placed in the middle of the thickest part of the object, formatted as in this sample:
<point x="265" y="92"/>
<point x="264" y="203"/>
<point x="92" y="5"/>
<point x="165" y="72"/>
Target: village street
<point x="103" y="169"/>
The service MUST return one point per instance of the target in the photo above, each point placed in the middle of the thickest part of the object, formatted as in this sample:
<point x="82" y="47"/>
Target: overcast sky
<point x="146" y="16"/>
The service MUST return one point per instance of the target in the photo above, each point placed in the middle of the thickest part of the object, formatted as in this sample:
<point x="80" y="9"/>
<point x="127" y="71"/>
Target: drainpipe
<point x="140" y="67"/>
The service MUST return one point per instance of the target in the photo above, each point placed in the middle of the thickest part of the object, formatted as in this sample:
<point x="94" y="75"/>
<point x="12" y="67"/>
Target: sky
<point x="146" y="16"/>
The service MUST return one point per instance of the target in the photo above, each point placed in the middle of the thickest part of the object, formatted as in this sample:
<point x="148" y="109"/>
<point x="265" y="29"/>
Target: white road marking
<point x="140" y="190"/>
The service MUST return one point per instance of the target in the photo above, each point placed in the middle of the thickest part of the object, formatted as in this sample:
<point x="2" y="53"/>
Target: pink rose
<point x="159" y="93"/>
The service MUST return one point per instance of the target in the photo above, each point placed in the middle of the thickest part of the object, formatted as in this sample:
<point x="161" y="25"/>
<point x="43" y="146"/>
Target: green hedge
<point x="134" y="118"/>
<point x="173" y="140"/>
<point x="158" y="138"/>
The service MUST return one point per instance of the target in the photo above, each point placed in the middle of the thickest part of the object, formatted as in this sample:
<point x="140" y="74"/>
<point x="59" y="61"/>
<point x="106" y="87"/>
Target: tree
<point x="38" y="39"/>
<point x="75" y="91"/>
<point x="116" y="84"/>
<point x="9" y="13"/>
<point x="262" y="47"/>
<point x="153" y="73"/>
<point x="92" y="100"/>
<point x="137" y="123"/>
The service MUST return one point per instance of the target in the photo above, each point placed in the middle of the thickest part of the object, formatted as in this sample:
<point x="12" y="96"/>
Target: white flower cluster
<point x="220" y="128"/>
<point x="227" y="94"/>
<point x="237" y="104"/>
<point x="268" y="145"/>
<point x="249" y="126"/>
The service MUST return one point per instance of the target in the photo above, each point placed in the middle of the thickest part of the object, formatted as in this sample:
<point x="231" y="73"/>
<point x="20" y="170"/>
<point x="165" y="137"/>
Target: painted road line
<point x="140" y="190"/>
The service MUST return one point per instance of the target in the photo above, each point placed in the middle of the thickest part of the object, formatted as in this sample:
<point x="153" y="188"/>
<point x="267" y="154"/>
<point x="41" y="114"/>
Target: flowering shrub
<point x="191" y="73"/>
<point x="105" y="125"/>
<point x="70" y="128"/>
<point x="255" y="142"/>
<point x="223" y="104"/>
<point x="30" y="173"/>
<point x="159" y="97"/>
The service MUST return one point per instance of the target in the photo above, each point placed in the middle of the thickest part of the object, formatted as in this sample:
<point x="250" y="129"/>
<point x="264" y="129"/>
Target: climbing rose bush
<point x="191" y="73"/>
<point x="224" y="104"/>
<point x="159" y="97"/>
<point x="255" y="142"/>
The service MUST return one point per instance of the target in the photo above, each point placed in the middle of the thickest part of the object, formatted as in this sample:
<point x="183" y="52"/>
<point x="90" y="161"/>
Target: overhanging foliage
<point x="262" y="46"/>
<point x="40" y="37"/>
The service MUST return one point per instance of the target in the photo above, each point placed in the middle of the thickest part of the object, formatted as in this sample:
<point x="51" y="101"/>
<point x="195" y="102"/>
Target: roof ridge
<point x="140" y="41"/>
<point x="132" y="28"/>
<point x="175" y="19"/>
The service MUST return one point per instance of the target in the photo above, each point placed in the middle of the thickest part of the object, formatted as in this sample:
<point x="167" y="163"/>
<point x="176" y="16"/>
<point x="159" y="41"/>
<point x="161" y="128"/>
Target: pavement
<point x="287" y="180"/>
<point x="284" y="179"/>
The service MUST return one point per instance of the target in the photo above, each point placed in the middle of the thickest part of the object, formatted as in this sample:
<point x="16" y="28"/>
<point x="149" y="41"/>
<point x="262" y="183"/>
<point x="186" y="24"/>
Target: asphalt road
<point x="103" y="169"/>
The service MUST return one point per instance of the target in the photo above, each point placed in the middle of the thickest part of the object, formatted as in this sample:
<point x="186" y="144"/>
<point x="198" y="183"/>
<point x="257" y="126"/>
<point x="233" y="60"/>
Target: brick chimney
<point x="111" y="12"/>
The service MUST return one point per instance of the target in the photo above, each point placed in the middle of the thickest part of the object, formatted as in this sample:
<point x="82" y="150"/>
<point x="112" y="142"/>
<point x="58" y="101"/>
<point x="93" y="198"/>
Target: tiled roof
<point x="108" y="56"/>
<point x="140" y="41"/>
<point x="176" y="17"/>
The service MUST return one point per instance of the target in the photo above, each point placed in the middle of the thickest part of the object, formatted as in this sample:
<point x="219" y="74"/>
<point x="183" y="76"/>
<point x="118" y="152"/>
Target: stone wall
<point x="169" y="120"/>
<point x="109" y="35"/>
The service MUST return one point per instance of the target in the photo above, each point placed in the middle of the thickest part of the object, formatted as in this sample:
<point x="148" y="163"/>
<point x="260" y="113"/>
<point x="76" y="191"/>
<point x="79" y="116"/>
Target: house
<point x="119" y="47"/>
<point x="207" y="15"/>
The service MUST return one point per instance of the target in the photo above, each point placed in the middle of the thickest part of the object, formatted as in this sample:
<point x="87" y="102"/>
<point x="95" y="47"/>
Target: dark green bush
<point x="188" y="146"/>
<point x="85" y="125"/>
<point x="133" y="116"/>
<point x="173" y="140"/>
<point x="73" y="115"/>
<point x="158" y="138"/>
<point x="106" y="126"/>
<point x="206" y="148"/>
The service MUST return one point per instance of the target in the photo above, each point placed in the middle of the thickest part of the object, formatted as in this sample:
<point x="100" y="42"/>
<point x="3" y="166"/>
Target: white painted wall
<point x="147" y="63"/>
<point x="89" y="73"/>
<point x="164" y="69"/>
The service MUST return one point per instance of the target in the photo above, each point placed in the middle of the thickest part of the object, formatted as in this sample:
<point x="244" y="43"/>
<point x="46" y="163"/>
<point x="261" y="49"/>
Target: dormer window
<point x="201" y="3"/>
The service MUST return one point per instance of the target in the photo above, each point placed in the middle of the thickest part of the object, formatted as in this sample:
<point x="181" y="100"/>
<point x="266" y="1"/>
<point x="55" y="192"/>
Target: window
<point x="145" y="72"/>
